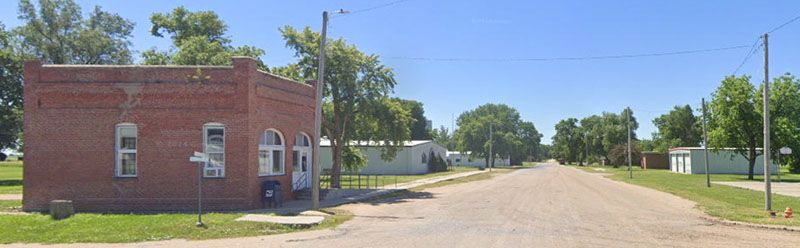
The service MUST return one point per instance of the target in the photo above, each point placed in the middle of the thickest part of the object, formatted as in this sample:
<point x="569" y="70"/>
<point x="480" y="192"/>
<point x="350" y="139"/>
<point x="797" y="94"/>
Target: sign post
<point x="784" y="150"/>
<point x="200" y="158"/>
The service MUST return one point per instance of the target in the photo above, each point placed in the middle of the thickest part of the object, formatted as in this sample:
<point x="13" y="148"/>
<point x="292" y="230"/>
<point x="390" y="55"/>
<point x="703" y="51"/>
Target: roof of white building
<point x="410" y="143"/>
<point x="458" y="153"/>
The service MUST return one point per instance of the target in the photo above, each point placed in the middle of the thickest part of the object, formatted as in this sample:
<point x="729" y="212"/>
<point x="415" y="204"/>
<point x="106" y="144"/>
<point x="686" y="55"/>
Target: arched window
<point x="301" y="153"/>
<point x="271" y="153"/>
<point x="126" y="141"/>
<point x="214" y="147"/>
<point x="424" y="158"/>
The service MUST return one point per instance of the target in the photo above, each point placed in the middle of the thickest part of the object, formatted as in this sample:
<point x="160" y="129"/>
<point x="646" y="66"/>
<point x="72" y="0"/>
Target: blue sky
<point x="544" y="92"/>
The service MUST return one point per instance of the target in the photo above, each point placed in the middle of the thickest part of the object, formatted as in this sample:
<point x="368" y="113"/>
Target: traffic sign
<point x="200" y="154"/>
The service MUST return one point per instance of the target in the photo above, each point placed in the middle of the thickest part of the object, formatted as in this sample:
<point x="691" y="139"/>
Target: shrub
<point x="619" y="155"/>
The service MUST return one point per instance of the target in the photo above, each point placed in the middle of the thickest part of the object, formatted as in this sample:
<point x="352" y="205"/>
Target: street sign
<point x="786" y="150"/>
<point x="198" y="159"/>
<point x="200" y="154"/>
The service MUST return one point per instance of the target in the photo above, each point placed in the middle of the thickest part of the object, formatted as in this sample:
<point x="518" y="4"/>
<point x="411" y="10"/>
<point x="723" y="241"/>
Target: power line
<point x="624" y="56"/>
<point x="750" y="53"/>
<point x="371" y="8"/>
<point x="784" y="24"/>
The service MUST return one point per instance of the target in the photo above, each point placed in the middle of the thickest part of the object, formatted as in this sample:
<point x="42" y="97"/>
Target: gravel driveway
<point x="546" y="206"/>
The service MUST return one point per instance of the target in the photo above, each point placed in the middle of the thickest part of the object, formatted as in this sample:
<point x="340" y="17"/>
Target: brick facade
<point x="71" y="112"/>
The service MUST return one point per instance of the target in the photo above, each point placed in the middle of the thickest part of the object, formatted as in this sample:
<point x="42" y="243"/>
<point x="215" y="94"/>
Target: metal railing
<point x="359" y="181"/>
<point x="301" y="182"/>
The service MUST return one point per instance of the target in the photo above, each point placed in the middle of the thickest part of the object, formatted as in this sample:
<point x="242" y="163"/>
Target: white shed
<point x="412" y="159"/>
<point x="691" y="160"/>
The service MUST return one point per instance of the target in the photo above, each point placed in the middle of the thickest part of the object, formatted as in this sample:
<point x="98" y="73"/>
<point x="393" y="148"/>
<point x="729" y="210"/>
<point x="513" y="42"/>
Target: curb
<point x="750" y="225"/>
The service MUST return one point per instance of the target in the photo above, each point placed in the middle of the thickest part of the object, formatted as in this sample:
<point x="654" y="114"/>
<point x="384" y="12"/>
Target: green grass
<point x="721" y="201"/>
<point x="352" y="182"/>
<point x="11" y="177"/>
<point x="117" y="228"/>
<point x="6" y="205"/>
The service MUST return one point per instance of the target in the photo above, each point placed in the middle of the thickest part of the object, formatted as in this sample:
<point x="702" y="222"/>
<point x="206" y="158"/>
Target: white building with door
<point x="691" y="160"/>
<point x="466" y="159"/>
<point x="414" y="158"/>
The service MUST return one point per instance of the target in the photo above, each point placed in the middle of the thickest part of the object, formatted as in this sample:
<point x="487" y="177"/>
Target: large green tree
<point x="356" y="102"/>
<point x="11" y="77"/>
<point x="784" y="112"/>
<point x="419" y="130"/>
<point x="567" y="142"/>
<point x="531" y="139"/>
<point x="199" y="38"/>
<point x="57" y="33"/>
<point x="735" y="119"/>
<point x="679" y="128"/>
<point x="507" y="138"/>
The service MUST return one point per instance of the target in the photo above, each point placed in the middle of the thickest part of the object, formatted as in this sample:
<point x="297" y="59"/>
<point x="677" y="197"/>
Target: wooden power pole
<point x="705" y="142"/>
<point x="766" y="151"/>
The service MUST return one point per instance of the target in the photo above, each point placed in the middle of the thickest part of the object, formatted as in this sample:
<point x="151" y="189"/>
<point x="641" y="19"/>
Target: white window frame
<point x="269" y="151"/>
<point x="119" y="151"/>
<point x="300" y="149"/>
<point x="220" y="170"/>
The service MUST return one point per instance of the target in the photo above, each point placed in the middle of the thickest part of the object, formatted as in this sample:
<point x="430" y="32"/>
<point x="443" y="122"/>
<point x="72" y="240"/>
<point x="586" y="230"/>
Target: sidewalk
<point x="337" y="197"/>
<point x="784" y="188"/>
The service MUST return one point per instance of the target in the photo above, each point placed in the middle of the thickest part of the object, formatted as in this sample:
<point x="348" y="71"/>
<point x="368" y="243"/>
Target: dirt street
<point x="546" y="206"/>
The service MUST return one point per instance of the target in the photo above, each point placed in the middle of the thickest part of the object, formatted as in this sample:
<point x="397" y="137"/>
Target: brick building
<point x="120" y="137"/>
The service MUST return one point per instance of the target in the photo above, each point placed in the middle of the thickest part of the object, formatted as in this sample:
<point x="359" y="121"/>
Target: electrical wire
<point x="371" y="8"/>
<point x="624" y="56"/>
<point x="750" y="53"/>
<point x="784" y="24"/>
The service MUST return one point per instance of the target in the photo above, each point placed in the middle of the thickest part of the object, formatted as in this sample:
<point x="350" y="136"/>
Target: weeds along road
<point x="545" y="206"/>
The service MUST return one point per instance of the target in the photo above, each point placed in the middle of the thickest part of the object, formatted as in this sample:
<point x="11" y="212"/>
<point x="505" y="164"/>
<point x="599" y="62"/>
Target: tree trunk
<point x="752" y="161"/>
<point x="336" y="168"/>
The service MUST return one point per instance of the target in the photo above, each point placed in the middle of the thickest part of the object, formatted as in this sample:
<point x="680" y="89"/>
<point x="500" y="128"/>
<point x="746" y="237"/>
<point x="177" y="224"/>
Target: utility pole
<point x="705" y="142"/>
<point x="766" y="151"/>
<point x="491" y="153"/>
<point x="630" y="169"/>
<point x="316" y="167"/>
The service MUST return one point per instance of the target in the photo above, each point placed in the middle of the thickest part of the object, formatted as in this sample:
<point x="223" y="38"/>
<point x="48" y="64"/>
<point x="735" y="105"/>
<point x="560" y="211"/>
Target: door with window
<point x="301" y="159"/>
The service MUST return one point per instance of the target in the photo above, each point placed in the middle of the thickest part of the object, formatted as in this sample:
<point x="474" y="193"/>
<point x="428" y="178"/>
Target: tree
<point x="473" y="132"/>
<point x="356" y="103"/>
<point x="735" y="120"/>
<point x="419" y="130"/>
<point x="57" y="33"/>
<point x="444" y="137"/>
<point x="567" y="143"/>
<point x="11" y="77"/>
<point x="679" y="128"/>
<point x="594" y="131"/>
<point x="530" y="139"/>
<point x="199" y="38"/>
<point x="784" y="112"/>
<point x="619" y="155"/>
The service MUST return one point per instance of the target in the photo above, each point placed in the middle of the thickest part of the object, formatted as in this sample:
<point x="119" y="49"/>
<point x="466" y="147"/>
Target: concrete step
<point x="305" y="194"/>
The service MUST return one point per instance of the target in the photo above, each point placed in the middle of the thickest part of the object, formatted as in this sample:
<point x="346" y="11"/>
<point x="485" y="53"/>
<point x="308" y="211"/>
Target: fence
<point x="359" y="181"/>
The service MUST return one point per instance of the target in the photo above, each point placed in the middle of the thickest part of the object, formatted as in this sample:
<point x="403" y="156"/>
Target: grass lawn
<point x="482" y="176"/>
<point x="388" y="181"/>
<point x="719" y="201"/>
<point x="11" y="177"/>
<point x="116" y="228"/>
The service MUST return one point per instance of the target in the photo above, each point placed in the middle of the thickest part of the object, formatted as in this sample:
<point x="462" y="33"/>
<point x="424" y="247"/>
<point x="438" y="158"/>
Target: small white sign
<point x="200" y="154"/>
<point x="198" y="159"/>
<point x="786" y="150"/>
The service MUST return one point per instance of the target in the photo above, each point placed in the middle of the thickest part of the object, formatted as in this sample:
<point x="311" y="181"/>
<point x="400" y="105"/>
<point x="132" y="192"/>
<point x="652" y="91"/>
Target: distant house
<point x="414" y="158"/>
<point x="691" y="160"/>
<point x="655" y="160"/>
<point x="465" y="159"/>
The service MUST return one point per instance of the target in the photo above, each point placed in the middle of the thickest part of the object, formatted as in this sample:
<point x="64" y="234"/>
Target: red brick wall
<point x="70" y="118"/>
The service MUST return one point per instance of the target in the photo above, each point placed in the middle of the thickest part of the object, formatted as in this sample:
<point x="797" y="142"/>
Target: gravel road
<point x="545" y="206"/>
